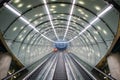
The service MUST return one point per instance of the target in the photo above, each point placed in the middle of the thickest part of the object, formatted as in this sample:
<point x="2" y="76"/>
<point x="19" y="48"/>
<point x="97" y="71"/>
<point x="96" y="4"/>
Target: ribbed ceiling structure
<point x="30" y="27"/>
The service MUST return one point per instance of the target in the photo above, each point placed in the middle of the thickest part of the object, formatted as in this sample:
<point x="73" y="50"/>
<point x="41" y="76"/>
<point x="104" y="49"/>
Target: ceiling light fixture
<point x="81" y="2"/>
<point x="20" y="5"/>
<point x="15" y="28"/>
<point x="97" y="8"/>
<point x="16" y="1"/>
<point x="46" y="7"/>
<point x="12" y="9"/>
<point x="53" y="6"/>
<point x="93" y="21"/>
<point x="29" y="6"/>
<point x="69" y="19"/>
<point x="63" y="5"/>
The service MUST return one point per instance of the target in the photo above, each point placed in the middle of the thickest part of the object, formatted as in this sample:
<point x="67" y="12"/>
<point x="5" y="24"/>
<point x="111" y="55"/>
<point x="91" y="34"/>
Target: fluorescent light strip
<point x="93" y="21"/>
<point x="71" y="12"/>
<point x="12" y="9"/>
<point x="47" y="38"/>
<point x="46" y="7"/>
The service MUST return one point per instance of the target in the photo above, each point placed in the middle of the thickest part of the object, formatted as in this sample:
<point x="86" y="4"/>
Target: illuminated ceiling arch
<point x="31" y="27"/>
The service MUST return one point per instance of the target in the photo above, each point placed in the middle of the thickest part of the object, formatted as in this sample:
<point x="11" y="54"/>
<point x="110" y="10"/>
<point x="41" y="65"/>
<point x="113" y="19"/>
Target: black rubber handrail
<point x="22" y="69"/>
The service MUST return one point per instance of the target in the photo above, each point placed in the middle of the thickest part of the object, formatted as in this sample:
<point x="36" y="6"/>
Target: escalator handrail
<point x="50" y="67"/>
<point x="72" y="71"/>
<point x="84" y="68"/>
<point x="110" y="77"/>
<point x="22" y="69"/>
<point x="35" y="69"/>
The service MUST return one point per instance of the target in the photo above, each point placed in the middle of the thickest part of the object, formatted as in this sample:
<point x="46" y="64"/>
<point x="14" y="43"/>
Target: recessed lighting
<point x="104" y="31"/>
<point x="95" y="38"/>
<point x="98" y="54"/>
<point x="99" y="28"/>
<point x="82" y="23"/>
<point x="95" y="32"/>
<point x="20" y="5"/>
<point x="23" y="47"/>
<point x="40" y="14"/>
<point x="51" y="9"/>
<point x="14" y="76"/>
<point x="29" y="6"/>
<point x="15" y="28"/>
<point x="62" y="14"/>
<point x="36" y="22"/>
<point x="20" y="36"/>
<point x="74" y="17"/>
<point x="22" y="27"/>
<point x="54" y="11"/>
<point x="21" y="39"/>
<point x="16" y="1"/>
<point x="63" y="5"/>
<point x="53" y="6"/>
<point x="53" y="0"/>
<point x="86" y="15"/>
<point x="30" y="20"/>
<point x="9" y="73"/>
<point x="97" y="8"/>
<point x="36" y="15"/>
<point x="81" y="2"/>
<point x="79" y="19"/>
<point x="82" y="12"/>
<point x="58" y="16"/>
<point x="24" y="31"/>
<point x="89" y="54"/>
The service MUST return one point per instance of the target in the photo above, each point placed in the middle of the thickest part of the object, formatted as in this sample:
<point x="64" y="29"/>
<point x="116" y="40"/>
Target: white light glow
<point x="93" y="21"/>
<point x="20" y="36"/>
<point x="63" y="5"/>
<point x="105" y="32"/>
<point x="99" y="28"/>
<point x="29" y="6"/>
<point x="15" y="28"/>
<point x="47" y="38"/>
<point x="69" y="19"/>
<point x="20" y="5"/>
<point x="46" y="7"/>
<point x="16" y="1"/>
<point x="22" y="18"/>
<point x="54" y="11"/>
<point x="81" y="2"/>
<point x="40" y="14"/>
<point x="53" y="6"/>
<point x="86" y="15"/>
<point x="12" y="9"/>
<point x="21" y="27"/>
<point x="97" y="8"/>
<point x="36" y="15"/>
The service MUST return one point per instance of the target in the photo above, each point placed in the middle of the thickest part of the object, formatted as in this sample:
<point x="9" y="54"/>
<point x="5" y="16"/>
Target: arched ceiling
<point x="31" y="26"/>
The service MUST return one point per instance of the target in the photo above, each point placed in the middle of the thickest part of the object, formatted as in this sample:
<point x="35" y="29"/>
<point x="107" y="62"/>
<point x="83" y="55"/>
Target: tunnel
<point x="59" y="39"/>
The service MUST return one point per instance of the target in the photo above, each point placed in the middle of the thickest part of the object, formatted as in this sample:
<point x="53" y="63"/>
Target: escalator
<point x="60" y="66"/>
<point x="83" y="73"/>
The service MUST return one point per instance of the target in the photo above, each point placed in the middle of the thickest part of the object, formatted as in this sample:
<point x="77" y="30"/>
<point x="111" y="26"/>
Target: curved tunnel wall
<point x="29" y="46"/>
